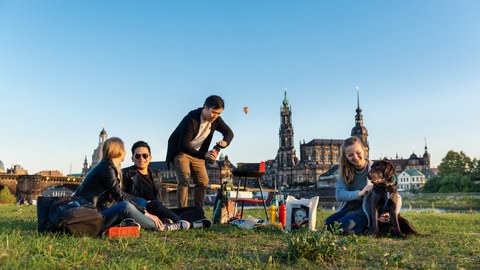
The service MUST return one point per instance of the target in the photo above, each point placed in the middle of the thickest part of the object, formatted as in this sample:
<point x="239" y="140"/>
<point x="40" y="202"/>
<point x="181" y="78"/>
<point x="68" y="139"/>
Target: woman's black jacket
<point x="103" y="182"/>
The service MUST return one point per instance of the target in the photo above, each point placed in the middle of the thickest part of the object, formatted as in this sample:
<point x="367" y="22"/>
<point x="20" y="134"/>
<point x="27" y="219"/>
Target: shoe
<point x="177" y="226"/>
<point x="202" y="223"/>
<point x="167" y="221"/>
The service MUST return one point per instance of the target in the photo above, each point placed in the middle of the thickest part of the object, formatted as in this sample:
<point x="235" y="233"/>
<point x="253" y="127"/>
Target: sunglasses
<point x="144" y="155"/>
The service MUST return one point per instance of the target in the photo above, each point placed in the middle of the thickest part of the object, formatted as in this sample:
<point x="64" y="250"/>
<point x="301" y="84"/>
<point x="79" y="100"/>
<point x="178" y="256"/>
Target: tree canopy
<point x="457" y="173"/>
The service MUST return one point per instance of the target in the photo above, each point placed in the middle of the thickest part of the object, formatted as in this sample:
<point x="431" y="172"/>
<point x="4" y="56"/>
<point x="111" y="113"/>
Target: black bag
<point x="71" y="215"/>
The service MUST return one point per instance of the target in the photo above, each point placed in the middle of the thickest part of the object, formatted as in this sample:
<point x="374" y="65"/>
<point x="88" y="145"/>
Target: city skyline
<point x="67" y="70"/>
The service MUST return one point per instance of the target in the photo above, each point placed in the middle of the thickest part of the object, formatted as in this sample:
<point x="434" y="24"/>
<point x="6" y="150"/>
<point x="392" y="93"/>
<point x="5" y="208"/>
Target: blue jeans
<point x="122" y="210"/>
<point x="352" y="222"/>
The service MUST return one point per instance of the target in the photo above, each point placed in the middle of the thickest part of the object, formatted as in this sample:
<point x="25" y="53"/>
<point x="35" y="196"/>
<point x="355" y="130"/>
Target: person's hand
<point x="384" y="218"/>
<point x="222" y="144"/>
<point x="158" y="222"/>
<point x="211" y="155"/>
<point x="368" y="187"/>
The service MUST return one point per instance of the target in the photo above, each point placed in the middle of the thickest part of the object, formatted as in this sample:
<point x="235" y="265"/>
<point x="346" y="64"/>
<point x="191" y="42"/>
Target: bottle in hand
<point x="216" y="148"/>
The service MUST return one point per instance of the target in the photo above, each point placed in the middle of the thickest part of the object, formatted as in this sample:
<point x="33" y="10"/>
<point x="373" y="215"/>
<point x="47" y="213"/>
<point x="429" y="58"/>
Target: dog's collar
<point x="394" y="179"/>
<point x="386" y="201"/>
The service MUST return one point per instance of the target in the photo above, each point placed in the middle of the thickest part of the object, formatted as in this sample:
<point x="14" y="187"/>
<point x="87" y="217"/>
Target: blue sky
<point x="70" y="68"/>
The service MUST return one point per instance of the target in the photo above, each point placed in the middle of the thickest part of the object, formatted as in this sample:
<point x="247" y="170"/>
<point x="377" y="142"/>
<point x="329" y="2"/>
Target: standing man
<point x="188" y="148"/>
<point x="141" y="181"/>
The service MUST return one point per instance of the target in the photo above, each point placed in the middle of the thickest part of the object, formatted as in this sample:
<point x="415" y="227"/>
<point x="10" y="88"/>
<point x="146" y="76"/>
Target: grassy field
<point x="449" y="241"/>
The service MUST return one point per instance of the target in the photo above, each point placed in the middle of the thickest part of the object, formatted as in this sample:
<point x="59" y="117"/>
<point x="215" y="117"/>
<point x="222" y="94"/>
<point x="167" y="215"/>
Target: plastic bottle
<point x="216" y="148"/>
<point x="272" y="212"/>
<point x="282" y="214"/>
<point x="274" y="200"/>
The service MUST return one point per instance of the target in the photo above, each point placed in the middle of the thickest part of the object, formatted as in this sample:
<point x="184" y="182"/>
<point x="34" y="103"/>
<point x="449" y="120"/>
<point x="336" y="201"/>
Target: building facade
<point x="317" y="157"/>
<point x="410" y="179"/>
<point x="414" y="162"/>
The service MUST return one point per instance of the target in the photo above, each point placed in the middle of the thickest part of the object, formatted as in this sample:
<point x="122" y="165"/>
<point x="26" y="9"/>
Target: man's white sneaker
<point x="177" y="226"/>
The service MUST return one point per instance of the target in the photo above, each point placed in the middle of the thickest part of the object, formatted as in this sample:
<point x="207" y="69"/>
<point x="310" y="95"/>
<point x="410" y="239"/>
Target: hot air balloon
<point x="246" y="109"/>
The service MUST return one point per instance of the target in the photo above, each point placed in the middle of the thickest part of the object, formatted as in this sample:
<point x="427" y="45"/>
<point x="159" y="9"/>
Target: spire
<point x="358" y="117"/>
<point x="359" y="130"/>
<point x="85" y="166"/>
<point x="285" y="100"/>
<point x="426" y="156"/>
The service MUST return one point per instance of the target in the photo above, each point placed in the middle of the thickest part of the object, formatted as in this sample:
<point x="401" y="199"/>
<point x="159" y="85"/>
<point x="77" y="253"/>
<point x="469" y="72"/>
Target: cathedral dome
<point x="103" y="132"/>
<point x="359" y="131"/>
<point x="2" y="166"/>
<point x="413" y="156"/>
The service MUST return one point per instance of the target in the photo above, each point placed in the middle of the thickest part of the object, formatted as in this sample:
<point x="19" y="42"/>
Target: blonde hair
<point x="347" y="170"/>
<point x="113" y="148"/>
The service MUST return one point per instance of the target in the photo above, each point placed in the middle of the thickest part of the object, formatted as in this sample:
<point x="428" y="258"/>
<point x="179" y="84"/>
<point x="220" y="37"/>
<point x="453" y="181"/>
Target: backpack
<point x="70" y="215"/>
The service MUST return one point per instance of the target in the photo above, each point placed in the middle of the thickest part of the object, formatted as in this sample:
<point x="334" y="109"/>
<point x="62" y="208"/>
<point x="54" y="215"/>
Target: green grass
<point x="449" y="241"/>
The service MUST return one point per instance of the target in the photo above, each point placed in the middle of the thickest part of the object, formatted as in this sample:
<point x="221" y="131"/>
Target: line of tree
<point x="457" y="173"/>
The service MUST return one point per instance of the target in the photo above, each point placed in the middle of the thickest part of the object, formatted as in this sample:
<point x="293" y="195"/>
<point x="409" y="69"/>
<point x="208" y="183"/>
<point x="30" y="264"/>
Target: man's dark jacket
<point x="132" y="184"/>
<point x="187" y="130"/>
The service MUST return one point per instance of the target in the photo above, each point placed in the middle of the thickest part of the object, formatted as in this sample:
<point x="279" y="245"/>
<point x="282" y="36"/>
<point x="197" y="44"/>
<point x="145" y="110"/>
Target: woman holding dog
<point x="103" y="182"/>
<point x="351" y="188"/>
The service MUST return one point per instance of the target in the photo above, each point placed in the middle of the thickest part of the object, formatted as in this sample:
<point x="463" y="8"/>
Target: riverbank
<point x="461" y="202"/>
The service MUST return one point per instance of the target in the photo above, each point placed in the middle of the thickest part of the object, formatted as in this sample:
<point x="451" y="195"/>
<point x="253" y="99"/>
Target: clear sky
<point x="70" y="68"/>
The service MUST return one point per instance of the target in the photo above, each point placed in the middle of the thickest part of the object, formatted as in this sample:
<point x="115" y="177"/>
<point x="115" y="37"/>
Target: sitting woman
<point x="103" y="182"/>
<point x="351" y="188"/>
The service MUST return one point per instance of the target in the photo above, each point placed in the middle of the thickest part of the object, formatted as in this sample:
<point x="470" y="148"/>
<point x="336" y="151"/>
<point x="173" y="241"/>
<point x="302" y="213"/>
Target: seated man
<point x="140" y="181"/>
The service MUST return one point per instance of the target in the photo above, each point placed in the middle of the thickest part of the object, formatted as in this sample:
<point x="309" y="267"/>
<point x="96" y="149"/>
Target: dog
<point x="383" y="199"/>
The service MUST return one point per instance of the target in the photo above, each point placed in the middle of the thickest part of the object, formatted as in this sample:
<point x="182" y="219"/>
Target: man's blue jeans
<point x="122" y="210"/>
<point x="352" y="222"/>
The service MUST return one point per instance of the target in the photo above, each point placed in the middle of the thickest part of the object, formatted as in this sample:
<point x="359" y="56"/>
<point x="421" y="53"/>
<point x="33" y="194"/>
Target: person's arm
<point x="227" y="133"/>
<point x="368" y="187"/>
<point x="343" y="194"/>
<point x="156" y="220"/>
<point x="112" y="182"/>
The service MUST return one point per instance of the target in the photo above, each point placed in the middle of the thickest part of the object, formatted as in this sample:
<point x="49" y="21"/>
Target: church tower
<point x="102" y="137"/>
<point x="85" y="166"/>
<point x="426" y="156"/>
<point x="286" y="158"/>
<point x="97" y="153"/>
<point x="359" y="130"/>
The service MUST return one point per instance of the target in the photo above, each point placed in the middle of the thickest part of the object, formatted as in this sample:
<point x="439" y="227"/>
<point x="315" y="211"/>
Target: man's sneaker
<point x="202" y="223"/>
<point x="177" y="226"/>
<point x="167" y="221"/>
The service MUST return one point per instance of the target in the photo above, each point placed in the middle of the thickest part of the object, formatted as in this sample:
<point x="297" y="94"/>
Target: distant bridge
<point x="31" y="186"/>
